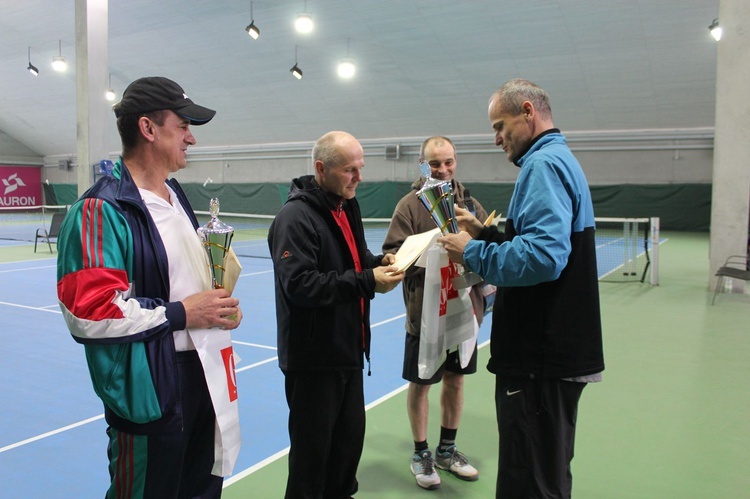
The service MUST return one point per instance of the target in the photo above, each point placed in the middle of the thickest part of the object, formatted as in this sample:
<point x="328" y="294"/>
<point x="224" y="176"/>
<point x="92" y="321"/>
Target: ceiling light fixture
<point x="296" y="71"/>
<point x="715" y="29"/>
<point x="304" y="22"/>
<point x="110" y="93"/>
<point x="58" y="62"/>
<point x="252" y="29"/>
<point x="32" y="69"/>
<point x="346" y="68"/>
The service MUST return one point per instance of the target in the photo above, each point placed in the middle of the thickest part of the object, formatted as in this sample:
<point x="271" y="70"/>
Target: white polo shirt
<point x="188" y="262"/>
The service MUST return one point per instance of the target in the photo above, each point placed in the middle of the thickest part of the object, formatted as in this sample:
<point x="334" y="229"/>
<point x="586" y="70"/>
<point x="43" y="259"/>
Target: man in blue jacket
<point x="325" y="278"/>
<point x="546" y="339"/>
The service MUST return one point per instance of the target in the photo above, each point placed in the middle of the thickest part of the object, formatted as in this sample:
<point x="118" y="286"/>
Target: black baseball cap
<point x="154" y="93"/>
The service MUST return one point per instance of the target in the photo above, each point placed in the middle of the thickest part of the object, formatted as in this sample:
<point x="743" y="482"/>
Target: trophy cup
<point x="216" y="236"/>
<point x="437" y="198"/>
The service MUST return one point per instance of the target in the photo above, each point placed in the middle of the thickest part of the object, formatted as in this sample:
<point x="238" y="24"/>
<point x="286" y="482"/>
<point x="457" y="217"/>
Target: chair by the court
<point x="736" y="267"/>
<point x="50" y="236"/>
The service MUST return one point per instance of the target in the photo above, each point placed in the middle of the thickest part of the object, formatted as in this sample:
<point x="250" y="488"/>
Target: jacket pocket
<point x="122" y="379"/>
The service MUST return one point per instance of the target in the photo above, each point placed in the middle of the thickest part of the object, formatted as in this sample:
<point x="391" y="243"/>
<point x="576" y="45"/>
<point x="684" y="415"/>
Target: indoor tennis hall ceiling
<point x="423" y="66"/>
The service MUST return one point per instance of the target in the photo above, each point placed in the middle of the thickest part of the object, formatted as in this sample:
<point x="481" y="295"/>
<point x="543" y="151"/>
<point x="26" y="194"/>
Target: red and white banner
<point x="20" y="186"/>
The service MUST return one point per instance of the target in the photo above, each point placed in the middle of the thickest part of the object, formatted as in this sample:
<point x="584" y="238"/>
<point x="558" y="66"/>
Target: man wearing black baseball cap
<point x="135" y="290"/>
<point x="155" y="93"/>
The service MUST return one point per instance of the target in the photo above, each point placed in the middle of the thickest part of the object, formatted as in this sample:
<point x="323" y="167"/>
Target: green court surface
<point x="19" y="252"/>
<point x="669" y="420"/>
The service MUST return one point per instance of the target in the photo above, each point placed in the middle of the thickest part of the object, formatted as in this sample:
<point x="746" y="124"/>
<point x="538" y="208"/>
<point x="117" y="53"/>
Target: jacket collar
<point x="519" y="160"/>
<point x="305" y="187"/>
<point x="126" y="190"/>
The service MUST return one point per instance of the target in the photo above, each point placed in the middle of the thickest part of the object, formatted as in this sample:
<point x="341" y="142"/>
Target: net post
<point x="654" y="276"/>
<point x="625" y="248"/>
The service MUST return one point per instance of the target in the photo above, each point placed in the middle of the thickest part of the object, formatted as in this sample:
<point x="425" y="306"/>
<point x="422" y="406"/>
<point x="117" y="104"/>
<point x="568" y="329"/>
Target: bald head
<point x="330" y="146"/>
<point x="338" y="159"/>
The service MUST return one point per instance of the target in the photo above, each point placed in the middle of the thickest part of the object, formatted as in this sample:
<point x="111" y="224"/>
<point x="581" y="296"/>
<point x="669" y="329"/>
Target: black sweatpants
<point x="536" y="420"/>
<point x="327" y="433"/>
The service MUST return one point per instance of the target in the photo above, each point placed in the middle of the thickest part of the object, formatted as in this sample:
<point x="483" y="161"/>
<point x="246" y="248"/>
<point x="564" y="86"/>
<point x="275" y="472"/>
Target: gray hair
<point x="514" y="93"/>
<point x="327" y="149"/>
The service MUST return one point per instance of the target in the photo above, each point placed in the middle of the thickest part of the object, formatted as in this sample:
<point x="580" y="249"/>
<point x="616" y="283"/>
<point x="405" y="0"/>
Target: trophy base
<point x="466" y="280"/>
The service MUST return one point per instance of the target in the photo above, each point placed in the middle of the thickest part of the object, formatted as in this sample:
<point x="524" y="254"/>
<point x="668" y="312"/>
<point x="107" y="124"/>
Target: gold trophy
<point x="437" y="198"/>
<point x="216" y="236"/>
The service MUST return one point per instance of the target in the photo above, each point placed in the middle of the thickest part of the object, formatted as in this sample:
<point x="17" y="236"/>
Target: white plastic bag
<point x="448" y="320"/>
<point x="214" y="348"/>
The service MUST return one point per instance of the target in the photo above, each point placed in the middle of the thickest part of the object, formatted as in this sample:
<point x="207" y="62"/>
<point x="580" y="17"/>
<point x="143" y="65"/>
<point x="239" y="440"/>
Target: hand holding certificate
<point x="413" y="248"/>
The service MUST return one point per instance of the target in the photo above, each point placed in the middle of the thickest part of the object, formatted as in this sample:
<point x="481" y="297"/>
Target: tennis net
<point x="251" y="232"/>
<point x="626" y="248"/>
<point x="21" y="224"/>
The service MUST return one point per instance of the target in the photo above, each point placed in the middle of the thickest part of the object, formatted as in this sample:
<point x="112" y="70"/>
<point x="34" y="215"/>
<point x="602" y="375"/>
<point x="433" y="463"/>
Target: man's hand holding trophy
<point x="217" y="238"/>
<point x="437" y="198"/>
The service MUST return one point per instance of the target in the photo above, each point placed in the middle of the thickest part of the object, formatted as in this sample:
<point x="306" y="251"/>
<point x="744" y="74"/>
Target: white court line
<point x="50" y="433"/>
<point x="27" y="268"/>
<point x="267" y="347"/>
<point x="265" y="361"/>
<point x="42" y="309"/>
<point x="252" y="469"/>
<point x="100" y="416"/>
<point x="388" y="320"/>
<point x="254" y="345"/>
<point x="271" y="359"/>
<point x="259" y="465"/>
<point x="49" y="307"/>
<point x="257" y="273"/>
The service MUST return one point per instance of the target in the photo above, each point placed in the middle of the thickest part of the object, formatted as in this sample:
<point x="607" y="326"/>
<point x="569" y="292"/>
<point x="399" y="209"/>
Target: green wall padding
<point x="65" y="193"/>
<point x="679" y="206"/>
<point x="685" y="207"/>
<point x="261" y="199"/>
<point x="492" y="196"/>
<point x="378" y="199"/>
<point x="50" y="198"/>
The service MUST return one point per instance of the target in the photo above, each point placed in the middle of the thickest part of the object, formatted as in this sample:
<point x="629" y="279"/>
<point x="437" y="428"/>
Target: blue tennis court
<point x="53" y="426"/>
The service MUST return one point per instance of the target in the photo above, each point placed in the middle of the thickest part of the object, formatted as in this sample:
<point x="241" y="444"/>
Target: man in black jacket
<point x="325" y="278"/>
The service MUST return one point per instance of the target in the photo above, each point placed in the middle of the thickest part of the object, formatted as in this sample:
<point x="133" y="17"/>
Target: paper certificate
<point x="413" y="247"/>
<point x="232" y="269"/>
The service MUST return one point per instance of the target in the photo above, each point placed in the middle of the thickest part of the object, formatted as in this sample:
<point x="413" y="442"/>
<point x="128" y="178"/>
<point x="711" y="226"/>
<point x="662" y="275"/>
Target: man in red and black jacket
<point x="325" y="278"/>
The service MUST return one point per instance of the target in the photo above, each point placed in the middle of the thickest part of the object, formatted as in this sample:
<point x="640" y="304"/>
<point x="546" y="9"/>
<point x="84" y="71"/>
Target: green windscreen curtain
<point x="63" y="194"/>
<point x="683" y="207"/>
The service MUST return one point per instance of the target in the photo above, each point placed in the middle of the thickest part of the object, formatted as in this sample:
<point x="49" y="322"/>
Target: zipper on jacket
<point x="339" y="208"/>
